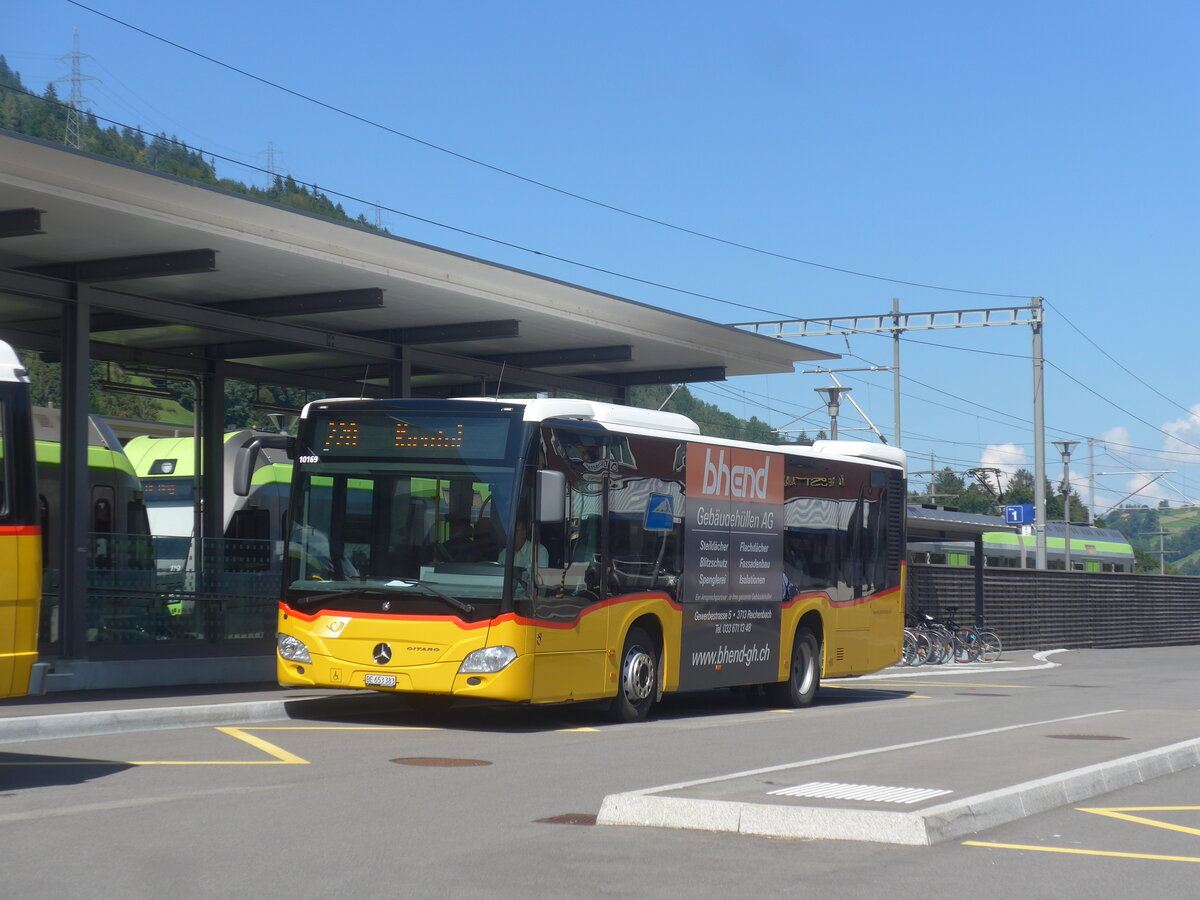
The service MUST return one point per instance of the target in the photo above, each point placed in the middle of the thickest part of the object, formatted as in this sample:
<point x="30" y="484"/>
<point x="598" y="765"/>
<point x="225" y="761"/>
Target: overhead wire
<point x="525" y="178"/>
<point x="650" y="219"/>
<point x="1117" y="362"/>
<point x="408" y="215"/>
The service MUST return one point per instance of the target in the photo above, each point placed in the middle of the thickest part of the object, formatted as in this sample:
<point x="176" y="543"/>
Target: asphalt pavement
<point x="866" y="795"/>
<point x="83" y="713"/>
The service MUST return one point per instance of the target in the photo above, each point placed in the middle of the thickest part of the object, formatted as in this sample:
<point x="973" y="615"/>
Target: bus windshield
<point x="392" y="504"/>
<point x="392" y="527"/>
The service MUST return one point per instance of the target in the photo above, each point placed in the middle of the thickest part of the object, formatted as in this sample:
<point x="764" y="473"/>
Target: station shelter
<point x="181" y="287"/>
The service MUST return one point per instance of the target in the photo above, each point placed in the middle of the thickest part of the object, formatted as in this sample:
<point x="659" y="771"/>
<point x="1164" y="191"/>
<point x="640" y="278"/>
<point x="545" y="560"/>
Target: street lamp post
<point x="832" y="397"/>
<point x="1065" y="448"/>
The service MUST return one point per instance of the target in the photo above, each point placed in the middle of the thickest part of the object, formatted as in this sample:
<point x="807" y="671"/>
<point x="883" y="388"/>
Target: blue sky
<point x="1002" y="150"/>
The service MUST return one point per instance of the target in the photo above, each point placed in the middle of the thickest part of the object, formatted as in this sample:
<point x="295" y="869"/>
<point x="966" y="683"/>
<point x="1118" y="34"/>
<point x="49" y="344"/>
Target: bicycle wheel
<point x="908" y="655"/>
<point x="942" y="643"/>
<point x="989" y="646"/>
<point x="966" y="645"/>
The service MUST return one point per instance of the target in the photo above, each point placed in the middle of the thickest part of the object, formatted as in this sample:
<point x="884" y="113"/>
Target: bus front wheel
<point x="638" y="678"/>
<point x="804" y="675"/>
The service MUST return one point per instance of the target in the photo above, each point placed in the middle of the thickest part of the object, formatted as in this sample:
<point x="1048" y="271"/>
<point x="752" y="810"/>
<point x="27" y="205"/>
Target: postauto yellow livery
<point x="20" y="532"/>
<point x="550" y="550"/>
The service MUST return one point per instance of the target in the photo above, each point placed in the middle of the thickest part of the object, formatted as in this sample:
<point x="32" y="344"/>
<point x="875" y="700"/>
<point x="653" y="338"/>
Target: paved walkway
<point x="76" y="714"/>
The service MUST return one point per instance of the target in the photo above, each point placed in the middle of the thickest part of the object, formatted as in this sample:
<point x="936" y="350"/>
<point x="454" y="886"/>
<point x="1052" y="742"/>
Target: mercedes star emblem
<point x="382" y="654"/>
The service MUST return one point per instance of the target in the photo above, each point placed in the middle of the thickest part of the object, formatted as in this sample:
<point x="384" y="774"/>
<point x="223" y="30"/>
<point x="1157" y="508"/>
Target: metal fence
<point x="1043" y="610"/>
<point x="165" y="596"/>
<point x="158" y="596"/>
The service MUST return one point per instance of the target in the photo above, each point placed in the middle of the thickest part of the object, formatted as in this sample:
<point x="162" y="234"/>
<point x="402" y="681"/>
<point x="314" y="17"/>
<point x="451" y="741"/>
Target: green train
<point x="1092" y="550"/>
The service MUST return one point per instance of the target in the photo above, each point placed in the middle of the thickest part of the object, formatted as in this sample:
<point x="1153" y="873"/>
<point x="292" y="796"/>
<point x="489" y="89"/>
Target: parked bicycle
<point x="930" y="641"/>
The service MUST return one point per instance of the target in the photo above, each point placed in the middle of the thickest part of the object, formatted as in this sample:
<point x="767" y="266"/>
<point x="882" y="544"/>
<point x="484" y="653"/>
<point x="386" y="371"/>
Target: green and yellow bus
<point x="550" y="551"/>
<point x="20" y="532"/>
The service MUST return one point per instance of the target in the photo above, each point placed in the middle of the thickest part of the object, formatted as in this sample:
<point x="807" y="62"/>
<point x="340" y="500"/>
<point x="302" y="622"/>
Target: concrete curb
<point x="928" y="826"/>
<point x="119" y="721"/>
<point x="116" y="721"/>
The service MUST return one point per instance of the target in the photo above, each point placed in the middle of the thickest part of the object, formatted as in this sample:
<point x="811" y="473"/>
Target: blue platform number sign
<point x="1021" y="514"/>
<point x="659" y="514"/>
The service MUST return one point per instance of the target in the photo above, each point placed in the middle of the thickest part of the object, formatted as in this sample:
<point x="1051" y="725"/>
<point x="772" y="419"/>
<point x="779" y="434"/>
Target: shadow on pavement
<point x="21" y="771"/>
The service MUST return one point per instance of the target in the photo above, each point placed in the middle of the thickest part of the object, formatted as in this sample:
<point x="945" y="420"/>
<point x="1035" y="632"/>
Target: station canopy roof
<point x="939" y="524"/>
<point x="182" y="275"/>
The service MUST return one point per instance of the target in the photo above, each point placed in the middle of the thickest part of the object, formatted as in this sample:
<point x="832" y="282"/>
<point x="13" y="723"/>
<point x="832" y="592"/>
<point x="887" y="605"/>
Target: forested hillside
<point x="45" y="116"/>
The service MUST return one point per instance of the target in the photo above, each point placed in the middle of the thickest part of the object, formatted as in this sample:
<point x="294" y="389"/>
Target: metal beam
<point x="101" y="322"/>
<point x="449" y="333"/>
<point x="124" y="268"/>
<point x="20" y="222"/>
<point x="432" y="334"/>
<point x="465" y="365"/>
<point x="293" y="305"/>
<point x="666" y="376"/>
<point x="304" y="304"/>
<point x="890" y="322"/>
<point x="26" y="284"/>
<point x="541" y="358"/>
<point x="74" y="503"/>
<point x="491" y="388"/>
<point x="181" y="313"/>
<point x="305" y="337"/>
<point x="48" y="346"/>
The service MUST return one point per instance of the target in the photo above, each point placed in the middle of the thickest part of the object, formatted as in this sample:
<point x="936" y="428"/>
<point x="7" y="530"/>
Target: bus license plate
<point x="380" y="680"/>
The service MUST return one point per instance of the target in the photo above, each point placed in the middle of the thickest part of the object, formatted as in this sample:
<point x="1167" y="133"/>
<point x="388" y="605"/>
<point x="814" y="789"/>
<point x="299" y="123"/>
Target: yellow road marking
<point x="1114" y="812"/>
<point x="1119" y="812"/>
<point x="279" y="756"/>
<point x="1079" y="852"/>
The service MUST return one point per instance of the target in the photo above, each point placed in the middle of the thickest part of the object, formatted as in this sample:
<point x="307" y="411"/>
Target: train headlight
<point x="487" y="660"/>
<point x="292" y="648"/>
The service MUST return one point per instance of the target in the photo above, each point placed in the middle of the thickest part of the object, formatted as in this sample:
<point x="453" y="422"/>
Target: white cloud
<point x="1146" y="490"/>
<point x="1184" y="434"/>
<point x="1118" y="435"/>
<point x="1005" y="457"/>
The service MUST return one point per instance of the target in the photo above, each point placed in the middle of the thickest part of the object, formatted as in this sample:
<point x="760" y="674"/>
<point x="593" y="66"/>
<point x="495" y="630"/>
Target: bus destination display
<point x="405" y="434"/>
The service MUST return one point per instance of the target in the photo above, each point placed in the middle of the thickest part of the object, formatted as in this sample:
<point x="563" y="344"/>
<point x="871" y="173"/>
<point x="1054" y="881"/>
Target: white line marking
<point x="879" y="793"/>
<point x="961" y="669"/>
<point x="857" y="753"/>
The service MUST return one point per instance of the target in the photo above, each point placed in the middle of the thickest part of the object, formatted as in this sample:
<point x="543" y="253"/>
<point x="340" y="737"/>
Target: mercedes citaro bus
<point x="556" y="550"/>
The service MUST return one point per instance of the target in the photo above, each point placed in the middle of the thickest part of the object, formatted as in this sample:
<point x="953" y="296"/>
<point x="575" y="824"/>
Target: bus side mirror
<point x="552" y="496"/>
<point x="243" y="469"/>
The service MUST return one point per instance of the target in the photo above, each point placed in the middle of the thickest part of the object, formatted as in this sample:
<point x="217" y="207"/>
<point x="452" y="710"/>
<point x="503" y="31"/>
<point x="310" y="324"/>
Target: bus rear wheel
<point x="804" y="675"/>
<point x="637" y="686"/>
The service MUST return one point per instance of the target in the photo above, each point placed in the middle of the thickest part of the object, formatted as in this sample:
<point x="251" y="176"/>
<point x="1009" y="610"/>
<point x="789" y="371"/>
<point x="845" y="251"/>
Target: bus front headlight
<point x="292" y="648"/>
<point x="487" y="660"/>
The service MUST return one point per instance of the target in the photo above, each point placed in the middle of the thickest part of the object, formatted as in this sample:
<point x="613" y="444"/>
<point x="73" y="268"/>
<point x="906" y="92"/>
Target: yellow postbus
<point x="556" y="550"/>
<point x="20" y="532"/>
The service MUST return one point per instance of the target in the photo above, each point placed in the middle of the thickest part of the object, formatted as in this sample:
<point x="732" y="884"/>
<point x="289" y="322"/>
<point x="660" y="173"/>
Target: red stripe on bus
<point x="25" y="530"/>
<point x="457" y="622"/>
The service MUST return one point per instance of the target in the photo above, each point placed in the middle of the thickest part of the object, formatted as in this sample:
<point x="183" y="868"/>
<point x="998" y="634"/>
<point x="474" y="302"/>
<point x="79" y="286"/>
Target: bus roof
<point x="11" y="369"/>
<point x="656" y="422"/>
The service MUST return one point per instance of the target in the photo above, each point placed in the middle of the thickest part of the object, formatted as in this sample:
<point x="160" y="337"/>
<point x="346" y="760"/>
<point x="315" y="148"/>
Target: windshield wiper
<point x="460" y="605"/>
<point x="337" y="595"/>
<point x="402" y="584"/>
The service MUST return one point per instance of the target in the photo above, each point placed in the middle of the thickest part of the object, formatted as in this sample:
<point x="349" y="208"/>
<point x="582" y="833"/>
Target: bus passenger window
<point x="4" y="464"/>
